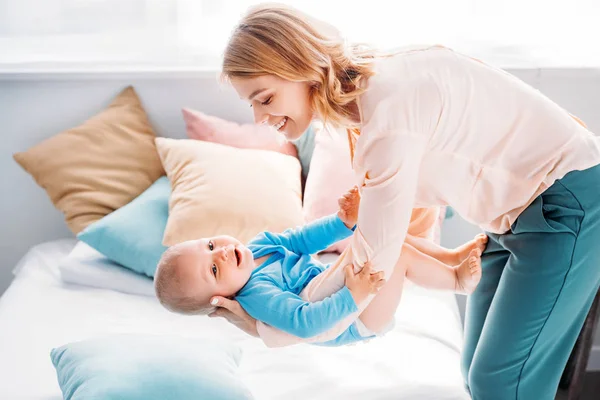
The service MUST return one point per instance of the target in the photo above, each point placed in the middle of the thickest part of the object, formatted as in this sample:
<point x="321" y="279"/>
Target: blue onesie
<point x="272" y="294"/>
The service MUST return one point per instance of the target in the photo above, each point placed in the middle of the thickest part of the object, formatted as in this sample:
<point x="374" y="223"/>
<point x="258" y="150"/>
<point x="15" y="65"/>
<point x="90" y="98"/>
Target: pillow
<point x="445" y="213"/>
<point x="93" y="169"/>
<point x="132" y="235"/>
<point x="148" y="367"/>
<point x="87" y="267"/>
<point x="222" y="190"/>
<point x="331" y="176"/>
<point x="248" y="136"/>
<point x="305" y="145"/>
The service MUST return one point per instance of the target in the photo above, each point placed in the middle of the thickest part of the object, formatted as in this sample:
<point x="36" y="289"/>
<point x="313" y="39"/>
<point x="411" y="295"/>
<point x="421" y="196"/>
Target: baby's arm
<point x="320" y="234"/>
<point x="289" y="313"/>
<point x="349" y="204"/>
<point x="310" y="238"/>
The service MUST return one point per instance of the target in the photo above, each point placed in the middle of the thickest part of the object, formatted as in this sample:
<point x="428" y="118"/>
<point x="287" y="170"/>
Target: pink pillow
<point x="329" y="177"/>
<point x="248" y="136"/>
<point x="437" y="236"/>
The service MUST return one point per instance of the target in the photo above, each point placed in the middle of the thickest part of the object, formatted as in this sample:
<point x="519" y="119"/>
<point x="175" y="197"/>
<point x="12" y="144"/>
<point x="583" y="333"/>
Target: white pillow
<point x="85" y="266"/>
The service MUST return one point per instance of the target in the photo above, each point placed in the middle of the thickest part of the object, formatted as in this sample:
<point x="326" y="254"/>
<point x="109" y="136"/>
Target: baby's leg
<point x="424" y="271"/>
<point x="430" y="273"/>
<point x="444" y="255"/>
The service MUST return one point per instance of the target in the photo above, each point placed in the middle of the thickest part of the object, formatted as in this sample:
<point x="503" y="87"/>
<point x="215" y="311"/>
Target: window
<point x="191" y="34"/>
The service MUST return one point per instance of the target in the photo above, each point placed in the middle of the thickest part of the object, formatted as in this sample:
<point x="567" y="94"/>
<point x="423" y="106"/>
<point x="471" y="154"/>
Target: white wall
<point x="34" y="109"/>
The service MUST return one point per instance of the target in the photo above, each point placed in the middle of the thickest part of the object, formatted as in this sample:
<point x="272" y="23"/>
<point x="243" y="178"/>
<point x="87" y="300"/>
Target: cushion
<point x="99" y="166"/>
<point x="148" y="367"/>
<point x="247" y="136"/>
<point x="329" y="178"/>
<point x="222" y="190"/>
<point x="87" y="267"/>
<point x="132" y="235"/>
<point x="305" y="145"/>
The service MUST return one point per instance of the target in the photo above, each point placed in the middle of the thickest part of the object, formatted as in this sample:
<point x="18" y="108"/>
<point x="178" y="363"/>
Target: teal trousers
<point x="539" y="281"/>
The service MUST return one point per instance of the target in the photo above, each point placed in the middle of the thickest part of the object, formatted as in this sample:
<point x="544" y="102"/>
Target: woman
<point x="433" y="127"/>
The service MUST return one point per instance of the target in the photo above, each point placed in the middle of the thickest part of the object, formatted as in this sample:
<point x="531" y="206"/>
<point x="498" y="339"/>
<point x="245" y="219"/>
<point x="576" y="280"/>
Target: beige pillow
<point x="222" y="190"/>
<point x="93" y="169"/>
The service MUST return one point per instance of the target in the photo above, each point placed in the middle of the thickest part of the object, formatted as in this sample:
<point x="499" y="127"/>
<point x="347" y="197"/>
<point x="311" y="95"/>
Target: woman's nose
<point x="259" y="117"/>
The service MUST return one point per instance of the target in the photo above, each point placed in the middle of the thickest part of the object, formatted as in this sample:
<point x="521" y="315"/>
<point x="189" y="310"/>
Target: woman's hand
<point x="235" y="314"/>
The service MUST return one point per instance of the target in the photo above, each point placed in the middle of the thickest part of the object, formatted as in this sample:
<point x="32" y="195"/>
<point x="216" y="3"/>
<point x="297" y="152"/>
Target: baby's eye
<point x="214" y="270"/>
<point x="211" y="246"/>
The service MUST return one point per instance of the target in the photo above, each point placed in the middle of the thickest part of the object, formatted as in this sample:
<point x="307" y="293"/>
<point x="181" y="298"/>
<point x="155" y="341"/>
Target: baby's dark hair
<point x="167" y="286"/>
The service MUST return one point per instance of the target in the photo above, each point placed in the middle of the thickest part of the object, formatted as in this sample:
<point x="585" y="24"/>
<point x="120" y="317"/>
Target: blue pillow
<point x="305" y="145"/>
<point x="147" y="367"/>
<point x="132" y="235"/>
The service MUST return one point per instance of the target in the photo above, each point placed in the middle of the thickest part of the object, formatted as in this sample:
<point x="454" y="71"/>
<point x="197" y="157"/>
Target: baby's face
<point x="217" y="266"/>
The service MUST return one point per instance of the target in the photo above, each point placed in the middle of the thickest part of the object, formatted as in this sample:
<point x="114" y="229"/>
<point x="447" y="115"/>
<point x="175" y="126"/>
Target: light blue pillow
<point x="147" y="367"/>
<point x="132" y="235"/>
<point x="305" y="145"/>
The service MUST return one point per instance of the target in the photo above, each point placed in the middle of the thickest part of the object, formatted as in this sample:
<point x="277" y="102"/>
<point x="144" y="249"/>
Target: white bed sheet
<point x="419" y="359"/>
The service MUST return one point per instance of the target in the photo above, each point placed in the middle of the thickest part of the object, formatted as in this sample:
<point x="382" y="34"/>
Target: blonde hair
<point x="166" y="286"/>
<point x="275" y="39"/>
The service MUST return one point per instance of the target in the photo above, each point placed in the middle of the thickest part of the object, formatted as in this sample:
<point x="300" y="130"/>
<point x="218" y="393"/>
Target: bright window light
<point x="191" y="34"/>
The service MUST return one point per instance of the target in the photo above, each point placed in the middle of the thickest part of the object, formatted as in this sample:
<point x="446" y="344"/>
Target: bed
<point x="419" y="359"/>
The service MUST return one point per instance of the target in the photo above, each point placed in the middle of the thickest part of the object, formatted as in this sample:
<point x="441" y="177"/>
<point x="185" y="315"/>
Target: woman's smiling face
<point x="280" y="103"/>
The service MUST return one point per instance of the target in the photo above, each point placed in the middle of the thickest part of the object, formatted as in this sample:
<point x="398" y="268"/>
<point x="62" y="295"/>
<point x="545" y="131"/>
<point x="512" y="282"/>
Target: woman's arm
<point x="388" y="158"/>
<point x="388" y="165"/>
<point x="387" y="162"/>
<point x="387" y="199"/>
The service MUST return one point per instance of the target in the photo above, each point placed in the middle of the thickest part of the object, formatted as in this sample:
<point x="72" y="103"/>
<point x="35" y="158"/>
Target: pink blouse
<point x="440" y="128"/>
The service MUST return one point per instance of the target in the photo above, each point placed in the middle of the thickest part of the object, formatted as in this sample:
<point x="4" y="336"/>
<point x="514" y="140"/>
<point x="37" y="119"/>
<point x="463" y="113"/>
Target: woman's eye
<point x="211" y="246"/>
<point x="267" y="102"/>
<point x="214" y="270"/>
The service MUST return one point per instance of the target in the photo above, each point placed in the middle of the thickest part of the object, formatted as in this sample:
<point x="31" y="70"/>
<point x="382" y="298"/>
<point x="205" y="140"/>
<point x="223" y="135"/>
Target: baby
<point x="268" y="275"/>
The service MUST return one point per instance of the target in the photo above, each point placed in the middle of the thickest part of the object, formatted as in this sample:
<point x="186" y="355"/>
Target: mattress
<point x="419" y="359"/>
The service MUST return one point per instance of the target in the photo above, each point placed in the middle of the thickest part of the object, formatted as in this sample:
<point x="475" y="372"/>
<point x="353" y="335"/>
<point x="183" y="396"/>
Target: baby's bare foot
<point x="468" y="273"/>
<point x="462" y="252"/>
